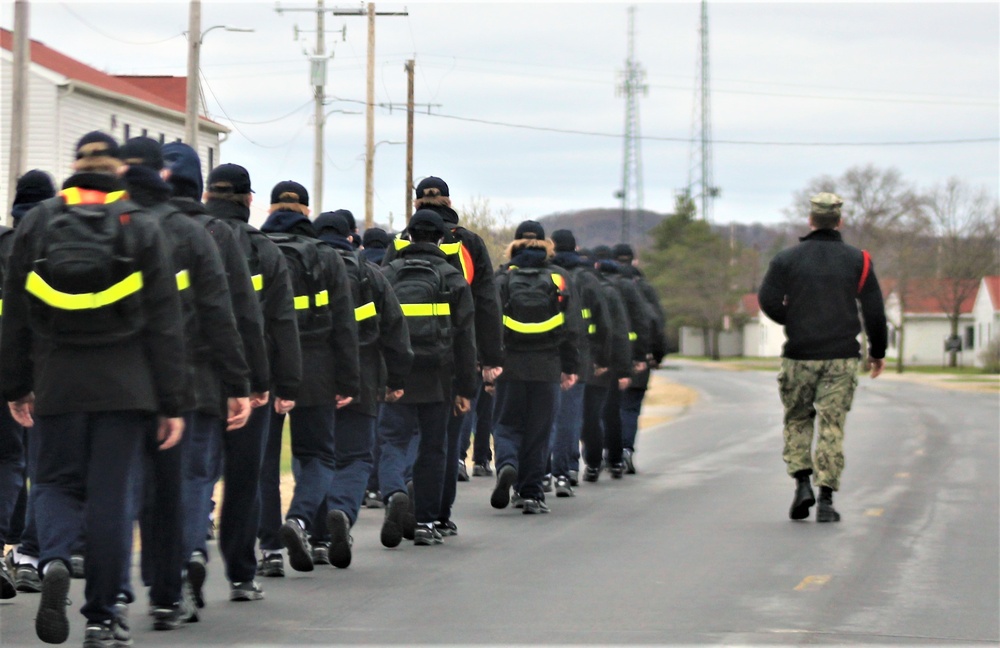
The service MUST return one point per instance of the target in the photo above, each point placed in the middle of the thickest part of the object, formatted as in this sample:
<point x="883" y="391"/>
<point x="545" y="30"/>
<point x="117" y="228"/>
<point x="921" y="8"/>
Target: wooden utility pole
<point x="370" y="122"/>
<point x="409" y="138"/>
<point x="193" y="64"/>
<point x="18" y="104"/>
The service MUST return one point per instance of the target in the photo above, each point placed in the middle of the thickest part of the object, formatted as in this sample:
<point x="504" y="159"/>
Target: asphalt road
<point x="696" y="549"/>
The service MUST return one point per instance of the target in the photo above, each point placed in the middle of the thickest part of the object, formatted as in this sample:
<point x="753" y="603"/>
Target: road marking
<point x="874" y="512"/>
<point x="903" y="475"/>
<point x="810" y="583"/>
<point x="921" y="452"/>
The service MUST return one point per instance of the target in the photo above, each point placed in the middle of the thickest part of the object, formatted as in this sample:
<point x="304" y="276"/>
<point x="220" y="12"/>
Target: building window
<point x="163" y="138"/>
<point x="970" y="337"/>
<point x="145" y="132"/>
<point x="126" y="130"/>
<point x="211" y="158"/>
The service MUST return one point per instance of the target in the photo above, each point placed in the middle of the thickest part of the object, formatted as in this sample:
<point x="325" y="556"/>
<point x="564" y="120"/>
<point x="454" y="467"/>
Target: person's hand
<point x="876" y="365"/>
<point x="257" y="399"/>
<point x="490" y="388"/>
<point x="169" y="432"/>
<point x="283" y="405"/>
<point x="624" y="383"/>
<point x="239" y="412"/>
<point x="566" y="381"/>
<point x="342" y="401"/>
<point x="393" y="395"/>
<point x="23" y="410"/>
<point x="600" y="371"/>
<point x="462" y="405"/>
<point x="490" y="374"/>
<point x="638" y="367"/>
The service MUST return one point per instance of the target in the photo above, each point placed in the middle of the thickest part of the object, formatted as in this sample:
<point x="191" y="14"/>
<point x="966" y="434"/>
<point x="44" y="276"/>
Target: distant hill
<point x="604" y="227"/>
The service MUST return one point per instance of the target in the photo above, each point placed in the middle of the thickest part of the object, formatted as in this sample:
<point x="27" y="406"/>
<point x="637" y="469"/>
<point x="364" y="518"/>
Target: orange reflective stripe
<point x="468" y="267"/>
<point x="78" y="196"/>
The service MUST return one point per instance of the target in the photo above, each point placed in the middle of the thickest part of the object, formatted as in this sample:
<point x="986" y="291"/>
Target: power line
<point x="115" y="38"/>
<point x="237" y="129"/>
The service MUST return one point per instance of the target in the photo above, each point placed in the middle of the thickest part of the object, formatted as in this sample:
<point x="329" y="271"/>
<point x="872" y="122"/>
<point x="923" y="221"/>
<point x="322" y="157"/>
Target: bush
<point x="991" y="356"/>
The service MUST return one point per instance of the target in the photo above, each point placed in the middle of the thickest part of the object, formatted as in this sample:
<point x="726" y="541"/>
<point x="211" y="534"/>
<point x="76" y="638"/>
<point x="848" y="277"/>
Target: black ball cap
<point x="564" y="240"/>
<point x="431" y="182"/>
<point x="96" y="144"/>
<point x="333" y="221"/>
<point x="530" y="229"/>
<point x="229" y="178"/>
<point x="144" y="151"/>
<point x="426" y="219"/>
<point x="289" y="191"/>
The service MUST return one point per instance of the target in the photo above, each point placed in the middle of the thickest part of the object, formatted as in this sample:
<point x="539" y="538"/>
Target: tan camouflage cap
<point x="825" y="203"/>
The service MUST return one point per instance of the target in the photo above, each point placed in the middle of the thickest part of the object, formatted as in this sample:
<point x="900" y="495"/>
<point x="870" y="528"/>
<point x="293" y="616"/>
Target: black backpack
<point x="425" y="299"/>
<point x="252" y="254"/>
<point x="533" y="300"/>
<point x="305" y="268"/>
<point x="6" y="234"/>
<point x="363" y="294"/>
<point x="84" y="284"/>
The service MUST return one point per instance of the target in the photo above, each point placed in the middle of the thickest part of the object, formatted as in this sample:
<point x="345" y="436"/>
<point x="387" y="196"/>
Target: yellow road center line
<point x="874" y="512"/>
<point x="903" y="475"/>
<point x="810" y="583"/>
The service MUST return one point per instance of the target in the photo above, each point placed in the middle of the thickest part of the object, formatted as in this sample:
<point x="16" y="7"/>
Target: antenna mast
<point x="632" y="83"/>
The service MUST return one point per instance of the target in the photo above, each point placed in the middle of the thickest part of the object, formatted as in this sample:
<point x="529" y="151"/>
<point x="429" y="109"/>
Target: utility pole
<point x="19" y="103"/>
<point x="409" y="138"/>
<point x="632" y="84"/>
<point x="193" y="64"/>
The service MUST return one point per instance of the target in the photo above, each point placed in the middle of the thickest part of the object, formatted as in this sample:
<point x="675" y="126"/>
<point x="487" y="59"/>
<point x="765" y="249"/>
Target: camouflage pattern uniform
<point x="822" y="389"/>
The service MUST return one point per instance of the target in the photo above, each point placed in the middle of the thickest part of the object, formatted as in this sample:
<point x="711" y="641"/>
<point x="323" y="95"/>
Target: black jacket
<point x="435" y="385"/>
<point x="813" y="289"/>
<point x="564" y="358"/>
<point x="330" y="365"/>
<point x="619" y="347"/>
<point x="657" y="333"/>
<point x="245" y="306"/>
<point x="281" y="330"/>
<point x="212" y="342"/>
<point x="142" y="373"/>
<point x="384" y="350"/>
<point x="596" y="323"/>
<point x="638" y="311"/>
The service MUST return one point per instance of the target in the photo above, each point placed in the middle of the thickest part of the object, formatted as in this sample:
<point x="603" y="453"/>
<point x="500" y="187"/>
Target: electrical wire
<point x="115" y="38"/>
<point x="237" y="129"/>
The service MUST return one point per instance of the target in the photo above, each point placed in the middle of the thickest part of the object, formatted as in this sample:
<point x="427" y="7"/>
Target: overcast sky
<point x="523" y="103"/>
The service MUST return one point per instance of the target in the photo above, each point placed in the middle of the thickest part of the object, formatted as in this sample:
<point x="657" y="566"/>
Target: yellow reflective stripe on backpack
<point x="585" y="313"/>
<point x="82" y="301"/>
<point x="258" y="282"/>
<point x="367" y="311"/>
<point x="592" y="329"/>
<point x="183" y="280"/>
<point x="77" y="196"/>
<point x="399" y="243"/>
<point x="1" y="307"/>
<point x="302" y="302"/>
<point x="425" y="310"/>
<point x="451" y="248"/>
<point x="534" y="327"/>
<point x="632" y="336"/>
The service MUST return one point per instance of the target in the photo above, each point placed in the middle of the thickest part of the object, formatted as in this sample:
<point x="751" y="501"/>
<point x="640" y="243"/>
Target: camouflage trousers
<point x="823" y="390"/>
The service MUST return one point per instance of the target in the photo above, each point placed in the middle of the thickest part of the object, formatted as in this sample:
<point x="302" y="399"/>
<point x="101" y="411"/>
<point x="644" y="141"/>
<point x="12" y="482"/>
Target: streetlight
<point x="194" y="55"/>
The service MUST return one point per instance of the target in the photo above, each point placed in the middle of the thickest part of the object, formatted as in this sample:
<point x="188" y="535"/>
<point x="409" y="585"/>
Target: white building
<point x="68" y="98"/>
<point x="762" y="336"/>
<point x="925" y="324"/>
<point x="986" y="315"/>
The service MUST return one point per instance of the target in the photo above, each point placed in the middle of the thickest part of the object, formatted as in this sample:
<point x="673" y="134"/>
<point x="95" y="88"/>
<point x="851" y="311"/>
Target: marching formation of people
<point x="153" y="342"/>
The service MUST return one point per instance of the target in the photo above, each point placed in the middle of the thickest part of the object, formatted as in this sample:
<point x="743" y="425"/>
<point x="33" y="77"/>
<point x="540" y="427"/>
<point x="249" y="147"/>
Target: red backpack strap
<point x="865" y="267"/>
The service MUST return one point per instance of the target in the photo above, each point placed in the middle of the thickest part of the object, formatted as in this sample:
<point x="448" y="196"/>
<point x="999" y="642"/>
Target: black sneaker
<point x="563" y="487"/>
<point x="246" y="591"/>
<point x="410" y="521"/>
<point x="463" y="472"/>
<point x="425" y="535"/>
<point x="628" y="456"/>
<point x="547" y="484"/>
<point x="591" y="474"/>
<point x="446" y="528"/>
<point x="189" y="611"/>
<point x="506" y="477"/>
<point x="271" y="566"/>
<point x="77" y="566"/>
<point x="340" y="538"/>
<point x="373" y="500"/>
<point x="196" y="573"/>
<point x="26" y="578"/>
<point x="167" y="617"/>
<point x="574" y="478"/>
<point x="121" y="614"/>
<point x="395" y="517"/>
<point x="535" y="507"/>
<point x="482" y="470"/>
<point x="321" y="553"/>
<point x="99" y="635"/>
<point x="616" y="470"/>
<point x="7" y="588"/>
<point x="51" y="624"/>
<point x="516" y="500"/>
<point x="293" y="538"/>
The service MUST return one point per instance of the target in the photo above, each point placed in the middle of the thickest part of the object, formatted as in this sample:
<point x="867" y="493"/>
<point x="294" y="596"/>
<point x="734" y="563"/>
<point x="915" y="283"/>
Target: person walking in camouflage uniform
<point x="813" y="290"/>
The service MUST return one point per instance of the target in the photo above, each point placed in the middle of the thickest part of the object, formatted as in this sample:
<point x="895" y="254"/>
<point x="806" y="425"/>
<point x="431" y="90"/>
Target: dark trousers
<point x="477" y="428"/>
<point x="592" y="432"/>
<point x="353" y="441"/>
<point x="565" y="439"/>
<point x="85" y="467"/>
<point x="161" y="522"/>
<point x="428" y="422"/>
<point x="313" y="452"/>
<point x="29" y="527"/>
<point x="631" y="405"/>
<point x="376" y="451"/>
<point x="524" y="412"/>
<point x="270" y="486"/>
<point x="12" y="463"/>
<point x="613" y="425"/>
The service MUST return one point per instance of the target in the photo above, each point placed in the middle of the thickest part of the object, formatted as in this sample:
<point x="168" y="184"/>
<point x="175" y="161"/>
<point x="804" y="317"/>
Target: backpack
<point x="305" y="269"/>
<point x="425" y="299"/>
<point x="533" y="301"/>
<point x="85" y="287"/>
<point x="364" y="298"/>
<point x="252" y="254"/>
<point x="5" y="233"/>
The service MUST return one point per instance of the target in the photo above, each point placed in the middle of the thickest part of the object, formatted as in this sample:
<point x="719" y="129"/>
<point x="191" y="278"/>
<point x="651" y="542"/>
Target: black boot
<point x="825" y="511"/>
<point x="804" y="496"/>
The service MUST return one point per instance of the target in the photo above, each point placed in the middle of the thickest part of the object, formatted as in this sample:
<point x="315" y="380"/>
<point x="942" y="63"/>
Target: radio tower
<point x="632" y="83"/>
<point x="701" y="127"/>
